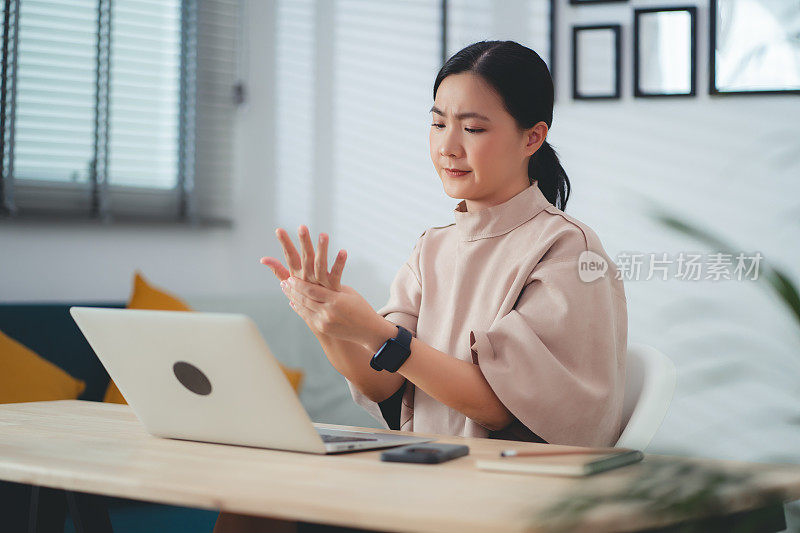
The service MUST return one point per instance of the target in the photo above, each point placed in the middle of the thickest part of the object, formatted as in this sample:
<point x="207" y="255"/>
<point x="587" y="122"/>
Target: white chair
<point x="649" y="386"/>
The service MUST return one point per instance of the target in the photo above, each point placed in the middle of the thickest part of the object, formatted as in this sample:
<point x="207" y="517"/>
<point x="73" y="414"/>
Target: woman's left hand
<point x="344" y="314"/>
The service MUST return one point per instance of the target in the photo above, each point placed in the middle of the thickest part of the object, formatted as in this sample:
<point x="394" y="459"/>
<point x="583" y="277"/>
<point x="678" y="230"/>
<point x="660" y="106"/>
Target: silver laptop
<point x="210" y="377"/>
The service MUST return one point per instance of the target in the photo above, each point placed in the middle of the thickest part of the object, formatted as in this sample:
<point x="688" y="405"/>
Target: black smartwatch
<point x="393" y="353"/>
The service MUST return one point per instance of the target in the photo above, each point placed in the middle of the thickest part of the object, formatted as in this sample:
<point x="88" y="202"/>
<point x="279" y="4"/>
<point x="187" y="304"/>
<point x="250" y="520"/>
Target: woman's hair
<point x="523" y="82"/>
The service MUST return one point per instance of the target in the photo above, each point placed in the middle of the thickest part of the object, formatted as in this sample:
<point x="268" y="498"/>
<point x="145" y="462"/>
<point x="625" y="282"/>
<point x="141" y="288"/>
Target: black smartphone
<point x="425" y="453"/>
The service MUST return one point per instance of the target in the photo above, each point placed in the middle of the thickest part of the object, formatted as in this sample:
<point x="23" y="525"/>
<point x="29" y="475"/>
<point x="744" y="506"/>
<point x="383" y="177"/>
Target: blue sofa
<point x="48" y="329"/>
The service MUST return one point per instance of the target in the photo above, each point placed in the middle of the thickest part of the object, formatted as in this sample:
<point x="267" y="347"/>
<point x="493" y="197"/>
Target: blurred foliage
<point x="673" y="490"/>
<point x="776" y="279"/>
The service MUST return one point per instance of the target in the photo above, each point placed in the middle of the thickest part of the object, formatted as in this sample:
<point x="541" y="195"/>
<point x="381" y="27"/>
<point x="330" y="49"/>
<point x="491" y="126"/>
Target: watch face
<point x="393" y="353"/>
<point x="377" y="359"/>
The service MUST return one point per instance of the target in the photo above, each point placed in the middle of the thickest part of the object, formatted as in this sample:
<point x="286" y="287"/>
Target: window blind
<point x="54" y="126"/>
<point x="541" y="28"/>
<point x="124" y="109"/>
<point x="386" y="190"/>
<point x="354" y="84"/>
<point x="145" y="93"/>
<point x="469" y="21"/>
<point x="294" y="113"/>
<point x="219" y="29"/>
<point x="10" y="26"/>
<point x="145" y="112"/>
<point x="55" y="90"/>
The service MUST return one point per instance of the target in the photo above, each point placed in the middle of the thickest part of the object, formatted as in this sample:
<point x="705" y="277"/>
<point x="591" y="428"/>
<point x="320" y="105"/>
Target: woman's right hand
<point x="310" y="266"/>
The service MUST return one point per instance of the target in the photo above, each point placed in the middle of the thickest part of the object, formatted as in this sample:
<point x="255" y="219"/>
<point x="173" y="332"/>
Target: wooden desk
<point x="103" y="449"/>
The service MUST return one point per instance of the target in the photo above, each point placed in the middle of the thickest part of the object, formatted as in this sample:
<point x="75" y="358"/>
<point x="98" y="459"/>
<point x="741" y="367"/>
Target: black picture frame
<point x="616" y="29"/>
<point x="637" y="91"/>
<point x="713" y="90"/>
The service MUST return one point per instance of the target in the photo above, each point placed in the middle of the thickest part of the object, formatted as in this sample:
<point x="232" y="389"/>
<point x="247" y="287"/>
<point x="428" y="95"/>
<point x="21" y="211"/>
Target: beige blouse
<point x="501" y="288"/>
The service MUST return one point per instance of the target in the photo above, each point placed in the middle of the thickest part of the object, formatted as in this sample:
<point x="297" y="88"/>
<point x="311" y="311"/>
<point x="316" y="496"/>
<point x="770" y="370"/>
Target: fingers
<point x="311" y="266"/>
<point x="321" y="261"/>
<point x="307" y="254"/>
<point x="303" y="297"/>
<point x="301" y="310"/>
<point x="296" y="288"/>
<point x="336" y="270"/>
<point x="306" y="308"/>
<point x="292" y="257"/>
<point x="277" y="268"/>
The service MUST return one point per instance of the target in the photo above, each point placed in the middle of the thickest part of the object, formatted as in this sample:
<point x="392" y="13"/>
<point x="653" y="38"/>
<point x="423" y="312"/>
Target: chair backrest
<point x="649" y="386"/>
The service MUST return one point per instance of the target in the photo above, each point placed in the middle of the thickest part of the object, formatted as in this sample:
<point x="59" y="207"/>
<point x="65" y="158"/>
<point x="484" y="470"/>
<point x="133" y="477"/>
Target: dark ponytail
<point x="545" y="167"/>
<point x="523" y="82"/>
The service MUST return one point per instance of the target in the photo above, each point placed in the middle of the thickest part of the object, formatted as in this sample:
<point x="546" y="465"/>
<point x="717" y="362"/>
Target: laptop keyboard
<point x="339" y="438"/>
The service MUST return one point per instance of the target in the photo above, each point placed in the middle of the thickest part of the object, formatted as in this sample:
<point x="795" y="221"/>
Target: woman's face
<point x="472" y="131"/>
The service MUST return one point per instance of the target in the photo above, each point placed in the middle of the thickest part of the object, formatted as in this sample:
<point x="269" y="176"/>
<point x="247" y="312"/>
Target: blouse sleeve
<point x="556" y="359"/>
<point x="405" y="293"/>
<point x="402" y="308"/>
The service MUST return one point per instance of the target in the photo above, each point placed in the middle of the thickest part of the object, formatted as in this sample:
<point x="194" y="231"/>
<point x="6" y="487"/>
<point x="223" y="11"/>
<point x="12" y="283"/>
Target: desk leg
<point x="89" y="513"/>
<point x="47" y="510"/>
<point x="239" y="523"/>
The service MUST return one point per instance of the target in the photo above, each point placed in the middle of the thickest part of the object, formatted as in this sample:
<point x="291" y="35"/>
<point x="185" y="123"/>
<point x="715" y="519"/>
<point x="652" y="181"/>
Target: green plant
<point x="776" y="279"/>
<point x="669" y="490"/>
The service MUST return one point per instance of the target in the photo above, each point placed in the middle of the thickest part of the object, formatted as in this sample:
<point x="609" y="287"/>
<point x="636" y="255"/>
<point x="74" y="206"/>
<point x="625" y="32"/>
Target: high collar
<point x="501" y="218"/>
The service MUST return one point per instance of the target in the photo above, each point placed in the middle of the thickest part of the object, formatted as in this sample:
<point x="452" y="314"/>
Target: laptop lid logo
<point x="192" y="378"/>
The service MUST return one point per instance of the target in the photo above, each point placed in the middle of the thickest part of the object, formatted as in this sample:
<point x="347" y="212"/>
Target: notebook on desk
<point x="210" y="377"/>
<point x="573" y="464"/>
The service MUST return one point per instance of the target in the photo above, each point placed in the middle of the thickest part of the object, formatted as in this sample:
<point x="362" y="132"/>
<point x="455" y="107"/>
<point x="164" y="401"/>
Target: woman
<point x="514" y="336"/>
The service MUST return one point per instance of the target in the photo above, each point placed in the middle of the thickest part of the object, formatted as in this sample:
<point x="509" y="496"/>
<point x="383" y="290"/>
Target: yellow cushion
<point x="27" y="377"/>
<point x="113" y="395"/>
<point x="146" y="296"/>
<point x="295" y="377"/>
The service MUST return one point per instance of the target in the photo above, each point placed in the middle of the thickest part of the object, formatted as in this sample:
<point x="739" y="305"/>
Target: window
<point x="102" y="102"/>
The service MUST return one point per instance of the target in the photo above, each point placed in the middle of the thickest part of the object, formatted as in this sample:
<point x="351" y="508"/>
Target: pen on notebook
<point x="515" y="453"/>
